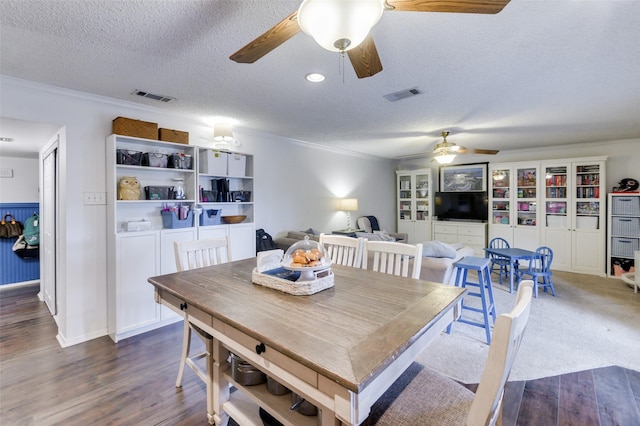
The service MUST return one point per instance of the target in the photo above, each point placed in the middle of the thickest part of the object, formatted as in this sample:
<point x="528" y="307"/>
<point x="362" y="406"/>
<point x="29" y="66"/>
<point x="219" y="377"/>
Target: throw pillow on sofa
<point x="438" y="249"/>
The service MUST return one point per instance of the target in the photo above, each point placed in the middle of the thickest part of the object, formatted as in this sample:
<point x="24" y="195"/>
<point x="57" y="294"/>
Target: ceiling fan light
<point x="445" y="158"/>
<point x="339" y="25"/>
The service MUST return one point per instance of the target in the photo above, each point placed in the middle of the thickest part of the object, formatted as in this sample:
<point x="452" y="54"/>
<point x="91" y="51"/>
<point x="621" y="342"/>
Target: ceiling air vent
<point x="403" y="94"/>
<point x="153" y="96"/>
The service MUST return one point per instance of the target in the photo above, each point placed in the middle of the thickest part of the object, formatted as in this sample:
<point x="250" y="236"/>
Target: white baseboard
<point x="20" y="284"/>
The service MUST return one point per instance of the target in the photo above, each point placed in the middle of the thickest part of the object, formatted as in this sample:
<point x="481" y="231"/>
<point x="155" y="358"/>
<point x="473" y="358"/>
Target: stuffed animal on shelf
<point x="128" y="188"/>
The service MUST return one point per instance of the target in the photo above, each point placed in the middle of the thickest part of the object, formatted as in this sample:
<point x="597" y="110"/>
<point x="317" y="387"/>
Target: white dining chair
<point x="422" y="396"/>
<point x="192" y="255"/>
<point x="343" y="250"/>
<point x="392" y="258"/>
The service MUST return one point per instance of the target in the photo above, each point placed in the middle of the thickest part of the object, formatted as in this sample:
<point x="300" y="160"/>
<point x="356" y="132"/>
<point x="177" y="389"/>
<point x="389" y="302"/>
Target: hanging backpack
<point x="264" y="241"/>
<point x="32" y="230"/>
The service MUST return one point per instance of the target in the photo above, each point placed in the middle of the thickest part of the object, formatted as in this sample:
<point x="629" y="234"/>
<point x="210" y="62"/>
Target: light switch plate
<point x="94" y="198"/>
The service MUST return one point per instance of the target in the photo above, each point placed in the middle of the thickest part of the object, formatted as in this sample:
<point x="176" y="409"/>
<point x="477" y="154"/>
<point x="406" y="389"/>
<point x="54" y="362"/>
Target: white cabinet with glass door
<point x="415" y="201"/>
<point x="574" y="216"/>
<point x="513" y="200"/>
<point x="589" y="215"/>
<point x="556" y="226"/>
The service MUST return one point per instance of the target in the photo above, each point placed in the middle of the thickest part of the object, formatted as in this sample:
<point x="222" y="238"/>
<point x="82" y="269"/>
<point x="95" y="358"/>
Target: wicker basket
<point x="130" y="127"/>
<point x="323" y="281"/>
<point x="170" y="135"/>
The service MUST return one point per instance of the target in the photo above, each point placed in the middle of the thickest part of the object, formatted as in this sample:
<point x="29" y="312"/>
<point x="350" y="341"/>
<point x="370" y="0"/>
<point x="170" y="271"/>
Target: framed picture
<point x="464" y="178"/>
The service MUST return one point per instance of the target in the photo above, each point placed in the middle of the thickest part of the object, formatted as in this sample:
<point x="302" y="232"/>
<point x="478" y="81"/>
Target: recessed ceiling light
<point x="315" y="77"/>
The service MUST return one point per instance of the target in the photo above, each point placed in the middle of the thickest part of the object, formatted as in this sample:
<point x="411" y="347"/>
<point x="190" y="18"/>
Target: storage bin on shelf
<point x="236" y="164"/>
<point x="170" y="220"/>
<point x="210" y="217"/>
<point x="624" y="247"/>
<point x="128" y="157"/>
<point x="626" y="206"/>
<point x="625" y="225"/>
<point x="179" y="161"/>
<point x="213" y="162"/>
<point x="158" y="192"/>
<point x="154" y="159"/>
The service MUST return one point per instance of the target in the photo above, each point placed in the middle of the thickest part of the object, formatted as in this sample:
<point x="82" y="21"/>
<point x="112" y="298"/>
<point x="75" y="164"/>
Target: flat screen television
<point x="473" y="206"/>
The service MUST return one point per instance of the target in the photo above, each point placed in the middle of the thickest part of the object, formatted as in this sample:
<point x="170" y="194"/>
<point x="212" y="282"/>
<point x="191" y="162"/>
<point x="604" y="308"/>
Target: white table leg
<point x="220" y="384"/>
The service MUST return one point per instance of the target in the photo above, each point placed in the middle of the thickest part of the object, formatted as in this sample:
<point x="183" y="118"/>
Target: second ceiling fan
<point x="343" y="26"/>
<point x="444" y="152"/>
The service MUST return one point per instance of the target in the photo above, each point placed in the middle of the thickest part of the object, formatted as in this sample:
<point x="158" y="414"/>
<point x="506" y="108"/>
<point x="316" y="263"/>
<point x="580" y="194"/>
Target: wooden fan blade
<point x="268" y="41"/>
<point x="365" y="59"/>
<point x="454" y="6"/>
<point x="461" y="150"/>
<point x="486" y="151"/>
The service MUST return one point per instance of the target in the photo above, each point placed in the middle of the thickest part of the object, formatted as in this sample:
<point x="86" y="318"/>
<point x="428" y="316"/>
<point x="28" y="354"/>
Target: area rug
<point x="593" y="322"/>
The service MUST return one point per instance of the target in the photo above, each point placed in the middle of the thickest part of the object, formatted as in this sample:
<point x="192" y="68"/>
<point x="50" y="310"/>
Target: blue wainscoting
<point x="13" y="268"/>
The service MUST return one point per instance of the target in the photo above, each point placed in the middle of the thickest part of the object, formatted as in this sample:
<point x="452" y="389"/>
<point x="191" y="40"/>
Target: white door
<point x="48" y="215"/>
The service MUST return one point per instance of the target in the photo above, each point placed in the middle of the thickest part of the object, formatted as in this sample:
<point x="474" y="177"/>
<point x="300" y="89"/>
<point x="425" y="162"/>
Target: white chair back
<point x="392" y="258"/>
<point x="507" y="335"/>
<point x="201" y="253"/>
<point x="343" y="250"/>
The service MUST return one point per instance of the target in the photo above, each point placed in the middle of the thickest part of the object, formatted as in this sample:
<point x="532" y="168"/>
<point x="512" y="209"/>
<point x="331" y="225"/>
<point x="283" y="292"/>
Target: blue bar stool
<point x="485" y="291"/>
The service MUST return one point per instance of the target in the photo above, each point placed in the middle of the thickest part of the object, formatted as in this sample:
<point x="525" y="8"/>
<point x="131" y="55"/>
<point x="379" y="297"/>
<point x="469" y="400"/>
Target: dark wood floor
<point x="132" y="382"/>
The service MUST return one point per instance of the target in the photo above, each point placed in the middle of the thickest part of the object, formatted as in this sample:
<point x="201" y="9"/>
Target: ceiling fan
<point x="343" y="26"/>
<point x="444" y="152"/>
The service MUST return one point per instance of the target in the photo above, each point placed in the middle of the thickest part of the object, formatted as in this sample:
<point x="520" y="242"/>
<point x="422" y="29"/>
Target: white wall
<point x="295" y="185"/>
<point x="23" y="186"/>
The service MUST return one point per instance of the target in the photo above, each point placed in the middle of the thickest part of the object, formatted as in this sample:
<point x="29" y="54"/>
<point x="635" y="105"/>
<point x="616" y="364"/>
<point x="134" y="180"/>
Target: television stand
<point x="469" y="233"/>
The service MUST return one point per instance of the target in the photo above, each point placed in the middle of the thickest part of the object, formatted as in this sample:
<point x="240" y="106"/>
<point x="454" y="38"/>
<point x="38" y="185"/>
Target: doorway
<point x="49" y="217"/>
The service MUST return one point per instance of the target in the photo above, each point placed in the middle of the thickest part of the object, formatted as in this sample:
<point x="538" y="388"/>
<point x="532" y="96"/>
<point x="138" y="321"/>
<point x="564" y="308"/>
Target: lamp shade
<point x="339" y="25"/>
<point x="347" y="204"/>
<point x="222" y="132"/>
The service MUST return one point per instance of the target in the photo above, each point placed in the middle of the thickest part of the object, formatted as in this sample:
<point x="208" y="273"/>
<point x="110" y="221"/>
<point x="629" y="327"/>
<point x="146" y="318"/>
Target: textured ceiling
<point x="539" y="73"/>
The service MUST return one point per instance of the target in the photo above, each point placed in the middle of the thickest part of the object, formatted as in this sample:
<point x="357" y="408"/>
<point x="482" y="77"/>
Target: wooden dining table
<point x="340" y="348"/>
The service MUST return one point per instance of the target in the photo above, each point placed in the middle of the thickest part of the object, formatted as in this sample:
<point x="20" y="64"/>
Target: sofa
<point x="440" y="269"/>
<point x="437" y="259"/>
<point x="292" y="237"/>
<point x="369" y="224"/>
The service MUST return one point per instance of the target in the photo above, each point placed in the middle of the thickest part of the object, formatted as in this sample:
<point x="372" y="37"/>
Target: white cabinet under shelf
<point x="414" y="204"/>
<point x="134" y="256"/>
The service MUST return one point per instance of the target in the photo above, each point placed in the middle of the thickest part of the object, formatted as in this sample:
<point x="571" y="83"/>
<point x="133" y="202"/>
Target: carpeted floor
<point x="593" y="322"/>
